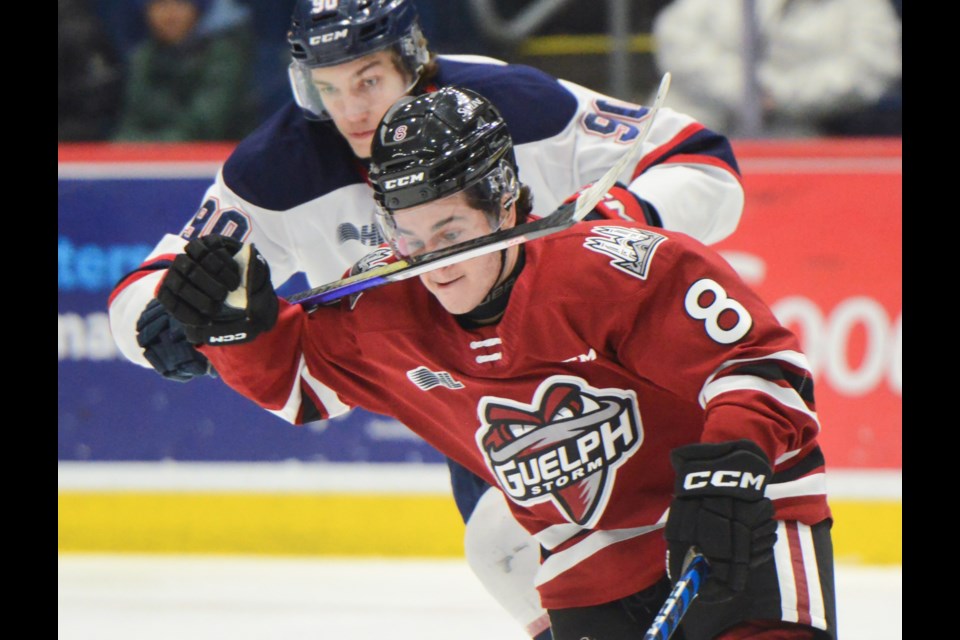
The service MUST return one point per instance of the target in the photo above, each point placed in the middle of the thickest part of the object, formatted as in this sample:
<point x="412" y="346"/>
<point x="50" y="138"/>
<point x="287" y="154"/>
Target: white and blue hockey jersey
<point x="295" y="188"/>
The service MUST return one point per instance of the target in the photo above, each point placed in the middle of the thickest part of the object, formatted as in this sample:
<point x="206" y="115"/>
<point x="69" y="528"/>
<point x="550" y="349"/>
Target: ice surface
<point x="153" y="597"/>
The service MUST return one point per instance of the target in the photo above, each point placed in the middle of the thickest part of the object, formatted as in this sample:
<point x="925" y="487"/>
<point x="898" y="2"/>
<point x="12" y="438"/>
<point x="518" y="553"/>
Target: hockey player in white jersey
<point x="297" y="187"/>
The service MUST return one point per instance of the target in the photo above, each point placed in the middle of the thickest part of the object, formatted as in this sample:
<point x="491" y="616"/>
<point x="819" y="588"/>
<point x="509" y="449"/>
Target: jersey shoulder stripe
<point x="534" y="104"/>
<point x="707" y="144"/>
<point x="290" y="160"/>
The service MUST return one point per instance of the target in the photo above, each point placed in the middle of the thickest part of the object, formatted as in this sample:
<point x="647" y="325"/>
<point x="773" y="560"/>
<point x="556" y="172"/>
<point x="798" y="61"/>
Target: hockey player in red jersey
<point x="624" y="389"/>
<point x="297" y="188"/>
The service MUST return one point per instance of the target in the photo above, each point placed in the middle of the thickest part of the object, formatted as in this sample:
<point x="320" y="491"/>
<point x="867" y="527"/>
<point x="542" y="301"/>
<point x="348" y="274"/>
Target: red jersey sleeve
<point x="700" y="332"/>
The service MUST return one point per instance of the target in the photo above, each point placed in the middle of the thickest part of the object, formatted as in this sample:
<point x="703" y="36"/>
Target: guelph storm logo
<point x="564" y="447"/>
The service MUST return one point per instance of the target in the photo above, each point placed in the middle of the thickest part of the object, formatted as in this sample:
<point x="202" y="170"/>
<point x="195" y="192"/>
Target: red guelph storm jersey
<point x="620" y="342"/>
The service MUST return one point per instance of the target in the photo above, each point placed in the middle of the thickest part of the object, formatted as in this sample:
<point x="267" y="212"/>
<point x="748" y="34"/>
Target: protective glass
<point x="493" y="195"/>
<point x="310" y="97"/>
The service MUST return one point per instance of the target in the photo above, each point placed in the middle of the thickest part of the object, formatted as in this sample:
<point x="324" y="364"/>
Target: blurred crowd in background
<point x="195" y="70"/>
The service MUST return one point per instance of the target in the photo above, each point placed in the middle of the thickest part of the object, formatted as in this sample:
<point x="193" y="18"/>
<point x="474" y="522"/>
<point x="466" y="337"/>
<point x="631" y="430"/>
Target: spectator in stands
<point x="89" y="75"/>
<point x="816" y="60"/>
<point x="191" y="78"/>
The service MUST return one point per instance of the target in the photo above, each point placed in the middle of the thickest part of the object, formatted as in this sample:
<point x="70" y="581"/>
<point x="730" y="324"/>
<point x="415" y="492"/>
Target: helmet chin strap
<point x="495" y="302"/>
<point x="500" y="274"/>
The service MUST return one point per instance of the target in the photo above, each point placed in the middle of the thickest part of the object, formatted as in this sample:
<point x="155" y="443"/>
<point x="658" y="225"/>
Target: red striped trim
<point x="802" y="458"/>
<point x="126" y="282"/>
<point x="664" y="149"/>
<point x="140" y="273"/>
<point x="152" y="152"/>
<point x="539" y="625"/>
<point x="689" y="158"/>
<point x="310" y="394"/>
<point x="799" y="574"/>
<point x="809" y="510"/>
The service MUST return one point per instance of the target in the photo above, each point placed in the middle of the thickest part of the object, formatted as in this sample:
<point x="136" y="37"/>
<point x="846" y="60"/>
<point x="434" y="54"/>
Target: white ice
<point x="153" y="597"/>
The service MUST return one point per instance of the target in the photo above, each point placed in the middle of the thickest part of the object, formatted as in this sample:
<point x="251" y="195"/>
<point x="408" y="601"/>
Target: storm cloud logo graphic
<point x="564" y="447"/>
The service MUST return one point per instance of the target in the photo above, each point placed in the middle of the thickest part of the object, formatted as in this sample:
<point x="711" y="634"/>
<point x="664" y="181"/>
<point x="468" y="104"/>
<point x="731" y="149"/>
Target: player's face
<point x="442" y="223"/>
<point x="356" y="94"/>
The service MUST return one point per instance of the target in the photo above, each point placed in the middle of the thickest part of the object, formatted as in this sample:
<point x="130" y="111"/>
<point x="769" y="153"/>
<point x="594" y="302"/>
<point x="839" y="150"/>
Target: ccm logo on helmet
<point x="741" y="479"/>
<point x="329" y="37"/>
<point x="229" y="338"/>
<point x="404" y="181"/>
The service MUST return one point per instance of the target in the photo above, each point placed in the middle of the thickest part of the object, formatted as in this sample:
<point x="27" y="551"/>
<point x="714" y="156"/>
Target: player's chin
<point x="362" y="147"/>
<point x="454" y="302"/>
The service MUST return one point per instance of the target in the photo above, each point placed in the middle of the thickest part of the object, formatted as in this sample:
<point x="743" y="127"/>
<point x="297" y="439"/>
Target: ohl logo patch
<point x="564" y="447"/>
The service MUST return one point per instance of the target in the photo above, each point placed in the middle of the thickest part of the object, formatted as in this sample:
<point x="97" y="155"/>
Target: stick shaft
<point x="679" y="600"/>
<point x="562" y="218"/>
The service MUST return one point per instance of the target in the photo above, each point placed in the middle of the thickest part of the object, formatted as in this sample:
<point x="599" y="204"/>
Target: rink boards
<point x="349" y="509"/>
<point x="150" y="465"/>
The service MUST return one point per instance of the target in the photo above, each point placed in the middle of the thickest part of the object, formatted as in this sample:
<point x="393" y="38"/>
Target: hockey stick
<point x="563" y="217"/>
<point x="688" y="586"/>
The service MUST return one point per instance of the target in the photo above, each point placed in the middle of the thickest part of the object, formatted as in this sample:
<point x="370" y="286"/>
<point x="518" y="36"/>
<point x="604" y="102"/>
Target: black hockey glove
<point x="220" y="290"/>
<point x="719" y="507"/>
<point x="165" y="345"/>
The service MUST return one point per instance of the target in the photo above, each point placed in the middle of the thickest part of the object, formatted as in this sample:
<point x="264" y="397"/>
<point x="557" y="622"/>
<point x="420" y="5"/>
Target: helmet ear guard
<point x="506" y="186"/>
<point x="495" y="193"/>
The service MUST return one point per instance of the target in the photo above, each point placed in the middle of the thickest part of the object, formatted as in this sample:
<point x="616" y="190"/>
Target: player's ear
<point x="509" y="215"/>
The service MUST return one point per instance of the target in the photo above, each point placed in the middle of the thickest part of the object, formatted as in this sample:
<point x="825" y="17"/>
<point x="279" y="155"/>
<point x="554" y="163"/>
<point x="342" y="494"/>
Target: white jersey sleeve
<point x="686" y="173"/>
<point x="295" y="190"/>
<point x="321" y="237"/>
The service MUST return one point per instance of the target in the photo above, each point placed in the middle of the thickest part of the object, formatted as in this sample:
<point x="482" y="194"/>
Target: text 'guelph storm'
<point x="564" y="447"/>
<point x="574" y="459"/>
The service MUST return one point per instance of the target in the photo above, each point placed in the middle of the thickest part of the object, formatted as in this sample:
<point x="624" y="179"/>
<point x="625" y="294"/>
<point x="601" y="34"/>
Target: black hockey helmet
<point x="324" y="33"/>
<point x="440" y="143"/>
<point x="431" y="146"/>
